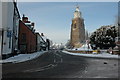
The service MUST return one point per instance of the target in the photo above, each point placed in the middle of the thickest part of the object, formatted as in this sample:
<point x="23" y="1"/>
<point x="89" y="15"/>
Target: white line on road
<point x="61" y="60"/>
<point x="41" y="68"/>
<point x="58" y="55"/>
<point x="54" y="60"/>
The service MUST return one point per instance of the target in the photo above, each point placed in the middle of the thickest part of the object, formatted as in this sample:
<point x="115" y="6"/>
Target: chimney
<point x="23" y="15"/>
<point x="25" y="19"/>
<point x="15" y="2"/>
<point x="33" y="24"/>
<point x="42" y="34"/>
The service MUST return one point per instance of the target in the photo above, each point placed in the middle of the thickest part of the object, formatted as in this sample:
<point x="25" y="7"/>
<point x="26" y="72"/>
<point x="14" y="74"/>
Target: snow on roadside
<point x="83" y="47"/>
<point x="22" y="57"/>
<point x="102" y="55"/>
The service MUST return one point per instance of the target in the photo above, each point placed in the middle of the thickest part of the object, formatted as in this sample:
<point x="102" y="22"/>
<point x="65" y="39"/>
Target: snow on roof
<point x="44" y="38"/>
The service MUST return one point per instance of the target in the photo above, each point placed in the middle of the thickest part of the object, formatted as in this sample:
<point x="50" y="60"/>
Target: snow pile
<point x="102" y="55"/>
<point x="84" y="47"/>
<point x="22" y="57"/>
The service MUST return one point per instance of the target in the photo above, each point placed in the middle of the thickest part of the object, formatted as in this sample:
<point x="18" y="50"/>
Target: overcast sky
<point x="54" y="18"/>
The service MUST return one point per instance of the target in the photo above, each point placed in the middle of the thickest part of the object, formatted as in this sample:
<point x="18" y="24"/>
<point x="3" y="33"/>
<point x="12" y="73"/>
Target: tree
<point x="104" y="37"/>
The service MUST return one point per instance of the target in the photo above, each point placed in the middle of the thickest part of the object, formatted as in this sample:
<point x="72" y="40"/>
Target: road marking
<point x="58" y="55"/>
<point x="61" y="60"/>
<point x="57" y="60"/>
<point x="54" y="60"/>
<point x="41" y="68"/>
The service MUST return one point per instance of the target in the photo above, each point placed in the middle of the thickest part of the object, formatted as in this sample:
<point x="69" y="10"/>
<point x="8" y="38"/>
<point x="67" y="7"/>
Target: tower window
<point x="74" y="25"/>
<point x="23" y="37"/>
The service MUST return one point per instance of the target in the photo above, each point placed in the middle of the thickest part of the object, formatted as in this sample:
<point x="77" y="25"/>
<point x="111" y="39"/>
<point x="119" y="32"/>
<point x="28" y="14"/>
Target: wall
<point x="0" y="27"/>
<point x="7" y="24"/>
<point x="30" y="38"/>
<point x="77" y="32"/>
<point x="40" y="42"/>
<point x="0" y="15"/>
<point x="15" y="29"/>
<point x="38" y="48"/>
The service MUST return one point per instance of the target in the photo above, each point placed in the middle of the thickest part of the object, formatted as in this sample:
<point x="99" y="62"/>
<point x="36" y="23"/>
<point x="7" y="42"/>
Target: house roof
<point x="44" y="38"/>
<point x="15" y="4"/>
<point x="40" y="36"/>
<point x="26" y="26"/>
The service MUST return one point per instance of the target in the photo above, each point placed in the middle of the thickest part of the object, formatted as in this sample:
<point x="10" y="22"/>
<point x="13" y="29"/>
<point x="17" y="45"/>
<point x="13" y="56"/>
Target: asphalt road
<point x="56" y="64"/>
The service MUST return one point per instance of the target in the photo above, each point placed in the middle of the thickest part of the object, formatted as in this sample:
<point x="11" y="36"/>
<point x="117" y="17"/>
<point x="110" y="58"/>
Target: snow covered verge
<point x="102" y="55"/>
<point x="22" y="57"/>
<point x="83" y="47"/>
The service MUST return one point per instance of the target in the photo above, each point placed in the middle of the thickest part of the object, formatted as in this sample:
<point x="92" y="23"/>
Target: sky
<point x="54" y="19"/>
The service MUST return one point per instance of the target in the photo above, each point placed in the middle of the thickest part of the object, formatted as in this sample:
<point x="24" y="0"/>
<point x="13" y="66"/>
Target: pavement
<point x="22" y="57"/>
<point x="101" y="55"/>
<point x="57" y="64"/>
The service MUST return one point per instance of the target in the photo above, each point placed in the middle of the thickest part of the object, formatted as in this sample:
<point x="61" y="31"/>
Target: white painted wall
<point x="7" y="24"/>
<point x="0" y="14"/>
<point x="0" y="26"/>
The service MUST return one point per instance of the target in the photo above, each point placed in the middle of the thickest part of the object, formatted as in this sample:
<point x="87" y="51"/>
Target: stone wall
<point x="77" y="32"/>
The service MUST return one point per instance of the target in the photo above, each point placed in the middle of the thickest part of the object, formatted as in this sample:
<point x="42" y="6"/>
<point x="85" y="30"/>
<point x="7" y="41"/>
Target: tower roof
<point x="77" y="9"/>
<point x="77" y="13"/>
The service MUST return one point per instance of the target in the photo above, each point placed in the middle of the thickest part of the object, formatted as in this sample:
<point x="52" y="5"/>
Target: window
<point x="23" y="37"/>
<point x="74" y="25"/>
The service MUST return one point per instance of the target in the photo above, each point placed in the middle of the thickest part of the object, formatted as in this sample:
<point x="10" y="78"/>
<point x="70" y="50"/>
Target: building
<point x="27" y="36"/>
<point x="0" y="29"/>
<point x="77" y="37"/>
<point x="40" y="43"/>
<point x="16" y="19"/>
<point x="47" y="42"/>
<point x="9" y="28"/>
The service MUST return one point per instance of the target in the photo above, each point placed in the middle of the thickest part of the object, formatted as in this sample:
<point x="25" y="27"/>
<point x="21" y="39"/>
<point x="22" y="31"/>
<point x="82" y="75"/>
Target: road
<point x="56" y="64"/>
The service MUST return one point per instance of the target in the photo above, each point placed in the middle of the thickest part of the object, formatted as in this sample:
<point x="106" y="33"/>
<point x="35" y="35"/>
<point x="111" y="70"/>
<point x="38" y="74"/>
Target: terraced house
<point x="27" y="36"/>
<point x="9" y="16"/>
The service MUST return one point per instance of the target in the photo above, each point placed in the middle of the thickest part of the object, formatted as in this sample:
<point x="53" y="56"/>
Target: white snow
<point x="23" y="57"/>
<point x="44" y="38"/>
<point x="102" y="55"/>
<point x="84" y="47"/>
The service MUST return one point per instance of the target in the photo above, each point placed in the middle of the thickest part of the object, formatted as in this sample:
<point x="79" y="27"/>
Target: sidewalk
<point x="102" y="55"/>
<point x="22" y="57"/>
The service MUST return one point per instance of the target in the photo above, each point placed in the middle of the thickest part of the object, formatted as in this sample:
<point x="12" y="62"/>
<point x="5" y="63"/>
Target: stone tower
<point x="77" y="37"/>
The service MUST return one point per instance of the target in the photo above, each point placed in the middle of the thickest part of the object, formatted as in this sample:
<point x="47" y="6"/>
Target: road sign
<point x="9" y="33"/>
